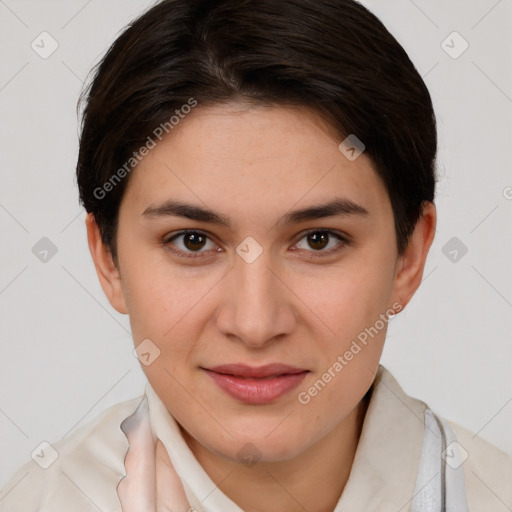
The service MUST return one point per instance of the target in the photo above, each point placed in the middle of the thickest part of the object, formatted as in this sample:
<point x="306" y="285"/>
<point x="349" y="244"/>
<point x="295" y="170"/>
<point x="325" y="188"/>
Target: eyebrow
<point x="171" y="208"/>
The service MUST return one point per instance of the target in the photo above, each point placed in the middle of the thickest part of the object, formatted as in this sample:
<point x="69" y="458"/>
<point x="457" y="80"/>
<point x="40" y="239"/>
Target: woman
<point x="259" y="178"/>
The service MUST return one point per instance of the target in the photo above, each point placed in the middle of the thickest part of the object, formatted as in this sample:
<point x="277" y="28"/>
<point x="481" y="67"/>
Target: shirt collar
<point x="383" y="473"/>
<point x="385" y="467"/>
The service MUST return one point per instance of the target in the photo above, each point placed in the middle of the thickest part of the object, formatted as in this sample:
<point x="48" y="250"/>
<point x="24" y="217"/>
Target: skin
<point x="291" y="305"/>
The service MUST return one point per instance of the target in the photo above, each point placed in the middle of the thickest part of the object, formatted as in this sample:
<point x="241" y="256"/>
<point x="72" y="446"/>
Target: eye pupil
<point x="318" y="240"/>
<point x="194" y="241"/>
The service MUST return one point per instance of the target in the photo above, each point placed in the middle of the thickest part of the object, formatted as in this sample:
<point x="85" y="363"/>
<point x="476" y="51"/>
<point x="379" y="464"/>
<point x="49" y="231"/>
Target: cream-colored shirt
<point x="90" y="463"/>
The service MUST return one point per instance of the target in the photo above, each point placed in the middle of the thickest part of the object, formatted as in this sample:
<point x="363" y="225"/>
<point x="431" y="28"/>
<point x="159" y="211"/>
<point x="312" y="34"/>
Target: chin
<point x="260" y="447"/>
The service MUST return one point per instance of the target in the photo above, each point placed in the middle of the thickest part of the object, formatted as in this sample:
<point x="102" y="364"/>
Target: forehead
<point x="253" y="160"/>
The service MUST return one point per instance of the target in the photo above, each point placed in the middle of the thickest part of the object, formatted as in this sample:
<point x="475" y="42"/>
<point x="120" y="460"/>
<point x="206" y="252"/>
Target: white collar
<point x="385" y="468"/>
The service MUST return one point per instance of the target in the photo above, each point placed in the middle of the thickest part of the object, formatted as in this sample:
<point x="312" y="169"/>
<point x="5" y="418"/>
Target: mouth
<point x="256" y="385"/>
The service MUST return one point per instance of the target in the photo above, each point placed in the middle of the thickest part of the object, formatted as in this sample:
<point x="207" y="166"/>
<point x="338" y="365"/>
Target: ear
<point x="107" y="271"/>
<point x="411" y="264"/>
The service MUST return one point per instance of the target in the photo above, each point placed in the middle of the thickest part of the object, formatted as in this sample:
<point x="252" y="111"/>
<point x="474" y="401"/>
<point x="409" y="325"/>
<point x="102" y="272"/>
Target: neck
<point x="312" y="481"/>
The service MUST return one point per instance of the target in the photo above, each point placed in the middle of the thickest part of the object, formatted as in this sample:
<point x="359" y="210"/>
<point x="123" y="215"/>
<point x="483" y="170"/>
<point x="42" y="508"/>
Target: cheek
<point x="160" y="296"/>
<point x="352" y="298"/>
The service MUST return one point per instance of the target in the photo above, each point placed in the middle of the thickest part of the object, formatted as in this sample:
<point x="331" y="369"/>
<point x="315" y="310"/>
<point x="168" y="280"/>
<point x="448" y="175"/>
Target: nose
<point x="257" y="305"/>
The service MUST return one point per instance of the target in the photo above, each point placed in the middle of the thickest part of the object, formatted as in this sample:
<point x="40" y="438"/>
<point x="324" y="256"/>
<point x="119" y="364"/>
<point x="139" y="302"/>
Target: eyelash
<point x="344" y="241"/>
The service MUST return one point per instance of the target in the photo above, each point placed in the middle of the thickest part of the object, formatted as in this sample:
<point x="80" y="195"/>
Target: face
<point x="255" y="271"/>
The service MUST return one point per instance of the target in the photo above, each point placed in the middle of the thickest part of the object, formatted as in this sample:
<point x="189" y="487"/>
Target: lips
<point x="269" y="370"/>
<point x="256" y="385"/>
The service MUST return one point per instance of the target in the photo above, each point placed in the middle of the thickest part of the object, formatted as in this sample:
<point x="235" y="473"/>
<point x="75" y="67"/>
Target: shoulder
<point x="487" y="472"/>
<point x="84" y="468"/>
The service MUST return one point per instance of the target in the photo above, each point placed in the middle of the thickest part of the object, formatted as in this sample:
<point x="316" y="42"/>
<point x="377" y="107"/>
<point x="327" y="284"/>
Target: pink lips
<point x="256" y="385"/>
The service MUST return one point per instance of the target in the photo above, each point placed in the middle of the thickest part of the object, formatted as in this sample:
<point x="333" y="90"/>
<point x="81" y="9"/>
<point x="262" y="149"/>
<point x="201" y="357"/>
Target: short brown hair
<point x="332" y="56"/>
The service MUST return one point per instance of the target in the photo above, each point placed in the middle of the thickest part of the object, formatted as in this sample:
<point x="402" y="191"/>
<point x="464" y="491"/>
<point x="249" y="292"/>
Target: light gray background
<point x="66" y="354"/>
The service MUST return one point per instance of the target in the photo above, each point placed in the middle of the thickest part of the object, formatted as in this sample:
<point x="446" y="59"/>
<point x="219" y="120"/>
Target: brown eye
<point x="317" y="241"/>
<point x="194" y="241"/>
<point x="189" y="244"/>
